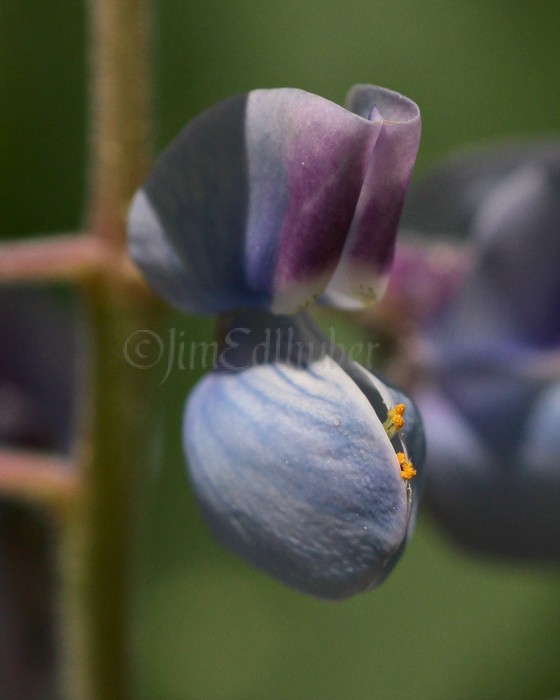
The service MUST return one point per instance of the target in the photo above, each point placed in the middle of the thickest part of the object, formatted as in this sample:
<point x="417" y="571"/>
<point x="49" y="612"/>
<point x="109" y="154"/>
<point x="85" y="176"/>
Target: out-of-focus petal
<point x="541" y="446"/>
<point x="445" y="201"/>
<point x="490" y="400"/>
<point x="38" y="370"/>
<point x="38" y="384"/>
<point x="513" y="290"/>
<point x="487" y="502"/>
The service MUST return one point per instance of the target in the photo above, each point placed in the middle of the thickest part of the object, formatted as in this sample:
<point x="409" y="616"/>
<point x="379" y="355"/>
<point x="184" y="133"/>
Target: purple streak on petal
<point x="307" y="162"/>
<point x="369" y="247"/>
<point x="254" y="199"/>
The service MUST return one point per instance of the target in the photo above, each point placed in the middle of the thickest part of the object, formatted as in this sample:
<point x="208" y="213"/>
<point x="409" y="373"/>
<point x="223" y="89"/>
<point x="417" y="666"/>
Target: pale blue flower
<point x="290" y="460"/>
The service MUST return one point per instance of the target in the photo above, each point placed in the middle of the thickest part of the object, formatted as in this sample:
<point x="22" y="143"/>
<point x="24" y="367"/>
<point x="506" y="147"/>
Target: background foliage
<point x="444" y="625"/>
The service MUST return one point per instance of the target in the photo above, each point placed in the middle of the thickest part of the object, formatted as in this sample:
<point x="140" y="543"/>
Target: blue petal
<point x="492" y="412"/>
<point x="488" y="503"/>
<point x="292" y="466"/>
<point x="541" y="446"/>
<point x="187" y="224"/>
<point x="446" y="200"/>
<point x="514" y="288"/>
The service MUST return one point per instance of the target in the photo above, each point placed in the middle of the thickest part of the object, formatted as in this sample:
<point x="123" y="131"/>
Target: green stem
<point x="114" y="455"/>
<point x="120" y="112"/>
<point x="115" y="462"/>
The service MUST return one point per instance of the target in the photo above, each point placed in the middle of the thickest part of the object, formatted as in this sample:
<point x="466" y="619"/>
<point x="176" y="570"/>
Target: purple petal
<point x="307" y="162"/>
<point x="251" y="205"/>
<point x="361" y="275"/>
<point x="512" y="294"/>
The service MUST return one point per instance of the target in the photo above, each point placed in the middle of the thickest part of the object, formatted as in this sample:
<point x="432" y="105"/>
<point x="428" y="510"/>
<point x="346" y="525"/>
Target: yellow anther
<point x="407" y="468"/>
<point x="395" y="420"/>
<point x="398" y="422"/>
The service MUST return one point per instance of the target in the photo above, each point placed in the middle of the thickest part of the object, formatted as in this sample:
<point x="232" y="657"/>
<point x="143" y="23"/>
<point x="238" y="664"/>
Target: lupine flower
<point x="300" y="458"/>
<point x="37" y="392"/>
<point x="492" y="407"/>
<point x="276" y="197"/>
<point x="264" y="203"/>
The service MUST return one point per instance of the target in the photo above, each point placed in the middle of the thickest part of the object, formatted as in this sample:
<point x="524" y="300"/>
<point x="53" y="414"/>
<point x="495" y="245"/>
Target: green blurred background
<point x="445" y="625"/>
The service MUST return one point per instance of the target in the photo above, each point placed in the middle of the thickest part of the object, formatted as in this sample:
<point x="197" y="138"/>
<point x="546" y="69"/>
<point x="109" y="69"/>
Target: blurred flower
<point x="273" y="198"/>
<point x="37" y="370"/>
<point x="492" y="407"/>
<point x="297" y="461"/>
<point x="37" y="392"/>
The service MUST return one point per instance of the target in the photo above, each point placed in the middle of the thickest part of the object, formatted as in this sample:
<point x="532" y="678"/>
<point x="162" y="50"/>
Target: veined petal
<point x="291" y="463"/>
<point x="361" y="275"/>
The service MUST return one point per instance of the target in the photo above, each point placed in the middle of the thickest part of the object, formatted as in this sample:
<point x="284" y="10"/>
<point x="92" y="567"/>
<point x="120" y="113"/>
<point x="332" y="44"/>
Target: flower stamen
<point x="395" y="420"/>
<point x="407" y="468"/>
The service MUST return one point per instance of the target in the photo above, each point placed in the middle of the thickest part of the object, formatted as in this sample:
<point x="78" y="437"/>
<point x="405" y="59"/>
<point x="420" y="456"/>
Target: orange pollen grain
<point x="407" y="468"/>
<point x="398" y="422"/>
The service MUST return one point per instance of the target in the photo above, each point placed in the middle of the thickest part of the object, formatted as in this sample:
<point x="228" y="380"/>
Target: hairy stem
<point x="120" y="112"/>
<point x="116" y="448"/>
<point x="115" y="460"/>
